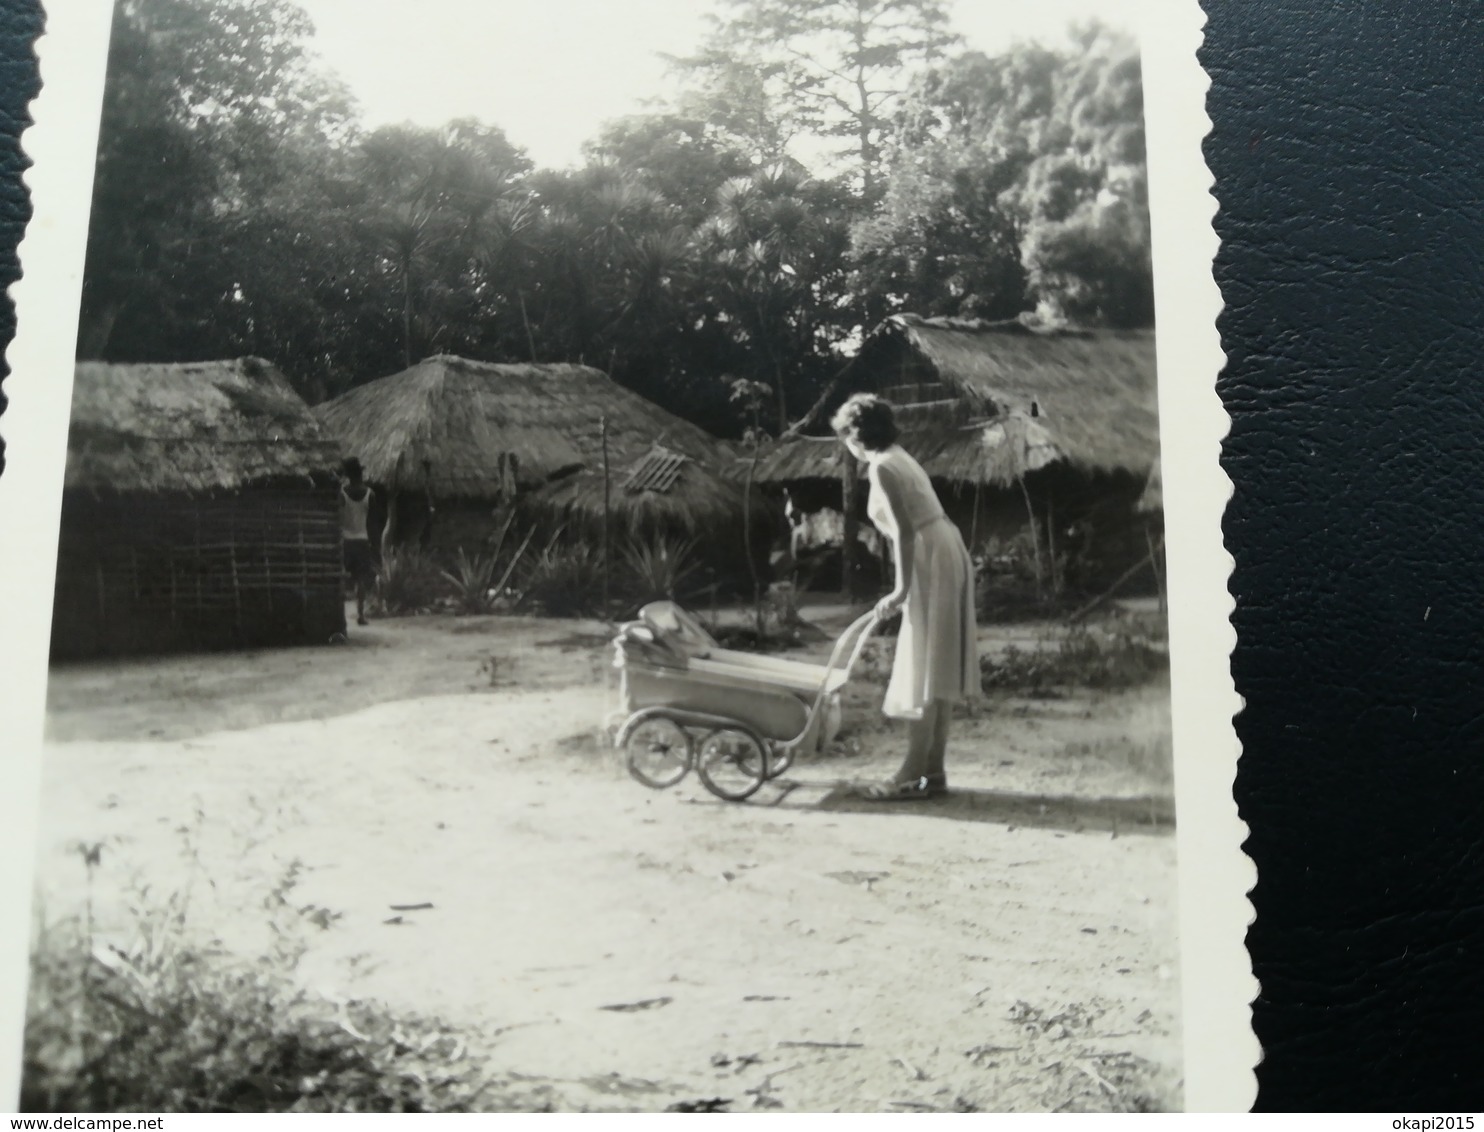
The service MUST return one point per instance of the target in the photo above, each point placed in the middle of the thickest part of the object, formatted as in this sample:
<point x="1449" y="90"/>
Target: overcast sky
<point x="549" y="72"/>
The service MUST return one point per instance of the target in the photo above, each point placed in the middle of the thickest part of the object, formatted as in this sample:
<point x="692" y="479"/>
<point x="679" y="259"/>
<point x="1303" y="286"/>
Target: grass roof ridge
<point x="446" y="423"/>
<point x="197" y="426"/>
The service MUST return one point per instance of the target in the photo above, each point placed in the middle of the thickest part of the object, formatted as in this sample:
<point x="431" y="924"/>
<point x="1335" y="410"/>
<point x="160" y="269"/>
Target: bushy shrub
<point x="167" y="1023"/>
<point x="409" y="581"/>
<point x="564" y="580"/>
<point x="1006" y="587"/>
<point x="1082" y="658"/>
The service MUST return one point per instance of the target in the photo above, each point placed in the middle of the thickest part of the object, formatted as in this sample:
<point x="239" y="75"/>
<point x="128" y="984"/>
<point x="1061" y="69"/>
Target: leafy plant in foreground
<point x="167" y="1022"/>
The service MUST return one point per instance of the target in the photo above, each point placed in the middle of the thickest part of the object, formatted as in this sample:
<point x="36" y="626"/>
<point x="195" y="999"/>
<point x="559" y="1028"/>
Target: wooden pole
<point x="974" y="521"/>
<point x="851" y="535"/>
<point x="603" y="434"/>
<point x="390" y="532"/>
<point x="525" y="318"/>
<point x="1056" y="577"/>
<point x="1157" y="546"/>
<point x="1030" y="513"/>
<point x="747" y="542"/>
<point x="1154" y="564"/>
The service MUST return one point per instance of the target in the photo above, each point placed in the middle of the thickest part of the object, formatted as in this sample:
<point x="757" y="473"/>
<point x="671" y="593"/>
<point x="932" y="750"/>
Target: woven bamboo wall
<point x="159" y="573"/>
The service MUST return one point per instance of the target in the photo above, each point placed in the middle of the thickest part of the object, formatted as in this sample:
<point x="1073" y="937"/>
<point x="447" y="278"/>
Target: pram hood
<point x="665" y="634"/>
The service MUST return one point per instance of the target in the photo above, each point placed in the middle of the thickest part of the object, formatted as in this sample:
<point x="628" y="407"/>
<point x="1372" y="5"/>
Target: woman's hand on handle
<point x="890" y="605"/>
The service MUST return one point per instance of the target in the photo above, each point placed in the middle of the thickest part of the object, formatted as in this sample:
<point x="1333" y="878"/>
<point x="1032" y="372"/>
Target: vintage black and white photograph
<point x="614" y="557"/>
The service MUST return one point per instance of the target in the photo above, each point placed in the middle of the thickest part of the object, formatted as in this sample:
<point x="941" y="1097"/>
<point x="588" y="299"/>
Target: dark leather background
<point x="1350" y="172"/>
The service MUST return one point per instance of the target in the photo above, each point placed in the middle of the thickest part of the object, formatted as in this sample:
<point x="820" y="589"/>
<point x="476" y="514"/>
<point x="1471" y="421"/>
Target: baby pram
<point x="738" y="718"/>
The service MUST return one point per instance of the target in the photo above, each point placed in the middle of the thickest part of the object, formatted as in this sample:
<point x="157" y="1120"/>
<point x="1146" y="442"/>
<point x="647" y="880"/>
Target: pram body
<point x="738" y="717"/>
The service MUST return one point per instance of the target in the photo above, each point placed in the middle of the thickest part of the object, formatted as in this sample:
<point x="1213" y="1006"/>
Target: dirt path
<point x="1011" y="947"/>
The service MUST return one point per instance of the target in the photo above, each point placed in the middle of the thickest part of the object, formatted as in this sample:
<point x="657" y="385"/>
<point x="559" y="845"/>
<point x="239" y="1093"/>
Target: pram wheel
<point x="659" y="752"/>
<point x="732" y="763"/>
<point x="781" y="762"/>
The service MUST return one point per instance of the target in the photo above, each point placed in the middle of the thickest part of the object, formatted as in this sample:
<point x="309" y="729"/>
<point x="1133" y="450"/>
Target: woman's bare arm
<point x="901" y="545"/>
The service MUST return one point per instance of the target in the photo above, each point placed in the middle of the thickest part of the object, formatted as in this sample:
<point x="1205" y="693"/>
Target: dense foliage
<point x="825" y="163"/>
<point x="165" y="1019"/>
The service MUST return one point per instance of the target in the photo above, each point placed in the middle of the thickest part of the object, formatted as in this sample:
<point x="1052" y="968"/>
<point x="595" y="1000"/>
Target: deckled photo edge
<point x="1214" y="874"/>
<point x="61" y="143"/>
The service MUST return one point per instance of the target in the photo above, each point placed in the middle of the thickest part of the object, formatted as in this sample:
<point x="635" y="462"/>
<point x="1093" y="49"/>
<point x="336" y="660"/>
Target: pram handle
<point x="860" y="629"/>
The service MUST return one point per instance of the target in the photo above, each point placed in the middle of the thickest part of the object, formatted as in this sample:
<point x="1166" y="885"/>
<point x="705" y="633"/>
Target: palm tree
<point x="777" y="251"/>
<point x="434" y="194"/>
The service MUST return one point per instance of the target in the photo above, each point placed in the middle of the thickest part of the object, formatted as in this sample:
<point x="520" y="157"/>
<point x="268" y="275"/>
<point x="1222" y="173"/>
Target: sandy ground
<point x="1010" y="947"/>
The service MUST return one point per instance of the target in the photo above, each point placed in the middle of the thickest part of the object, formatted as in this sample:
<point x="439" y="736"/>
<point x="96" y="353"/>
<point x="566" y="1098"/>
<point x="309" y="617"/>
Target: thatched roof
<point x="801" y="458"/>
<point x="1092" y="390"/>
<point x="191" y="427"/>
<point x="663" y="490"/>
<point x="996" y="452"/>
<point x="452" y="426"/>
<point x="992" y="452"/>
<point x="986" y="402"/>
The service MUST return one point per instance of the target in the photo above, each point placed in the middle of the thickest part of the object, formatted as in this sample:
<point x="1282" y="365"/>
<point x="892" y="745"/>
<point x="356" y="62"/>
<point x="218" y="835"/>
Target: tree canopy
<point x="822" y="164"/>
<point x="1019" y="181"/>
<point x="826" y="68"/>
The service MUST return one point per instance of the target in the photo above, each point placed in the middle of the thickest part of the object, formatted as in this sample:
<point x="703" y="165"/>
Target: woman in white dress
<point x="936" y="663"/>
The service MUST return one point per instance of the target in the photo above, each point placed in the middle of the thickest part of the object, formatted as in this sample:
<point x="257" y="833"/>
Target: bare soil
<point x="467" y="847"/>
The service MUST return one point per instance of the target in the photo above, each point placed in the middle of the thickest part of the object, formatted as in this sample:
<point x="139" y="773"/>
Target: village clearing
<point x="461" y="845"/>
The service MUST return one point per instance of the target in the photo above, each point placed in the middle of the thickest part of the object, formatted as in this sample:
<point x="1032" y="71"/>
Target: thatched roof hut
<point x="464" y="429"/>
<point x="1025" y="426"/>
<point x="451" y="429"/>
<point x="200" y="510"/>
<point x="986" y="402"/>
<point x="198" y="427"/>
<point x="1092" y="391"/>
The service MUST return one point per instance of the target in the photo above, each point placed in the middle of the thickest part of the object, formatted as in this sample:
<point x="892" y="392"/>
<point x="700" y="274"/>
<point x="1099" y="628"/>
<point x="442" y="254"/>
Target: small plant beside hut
<point x="566" y="580"/>
<point x="659" y="568"/>
<point x="409" y="581"/>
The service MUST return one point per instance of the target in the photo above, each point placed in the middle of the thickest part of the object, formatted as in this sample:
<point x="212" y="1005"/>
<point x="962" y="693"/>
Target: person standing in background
<point x="355" y="504"/>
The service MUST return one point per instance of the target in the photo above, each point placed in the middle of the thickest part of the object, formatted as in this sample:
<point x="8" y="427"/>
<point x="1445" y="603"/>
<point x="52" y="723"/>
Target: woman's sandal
<point x="928" y="786"/>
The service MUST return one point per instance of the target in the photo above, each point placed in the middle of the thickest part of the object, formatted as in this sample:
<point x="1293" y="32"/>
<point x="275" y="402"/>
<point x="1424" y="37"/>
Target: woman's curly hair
<point x="870" y="418"/>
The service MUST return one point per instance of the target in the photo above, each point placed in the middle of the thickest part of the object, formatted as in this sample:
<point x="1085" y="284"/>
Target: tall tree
<point x="1087" y="246"/>
<point x="1017" y="181"/>
<point x="685" y="156"/>
<point x="674" y="343"/>
<point x="438" y="206"/>
<point x="776" y="248"/>
<point x="211" y="110"/>
<point x="835" y="68"/>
